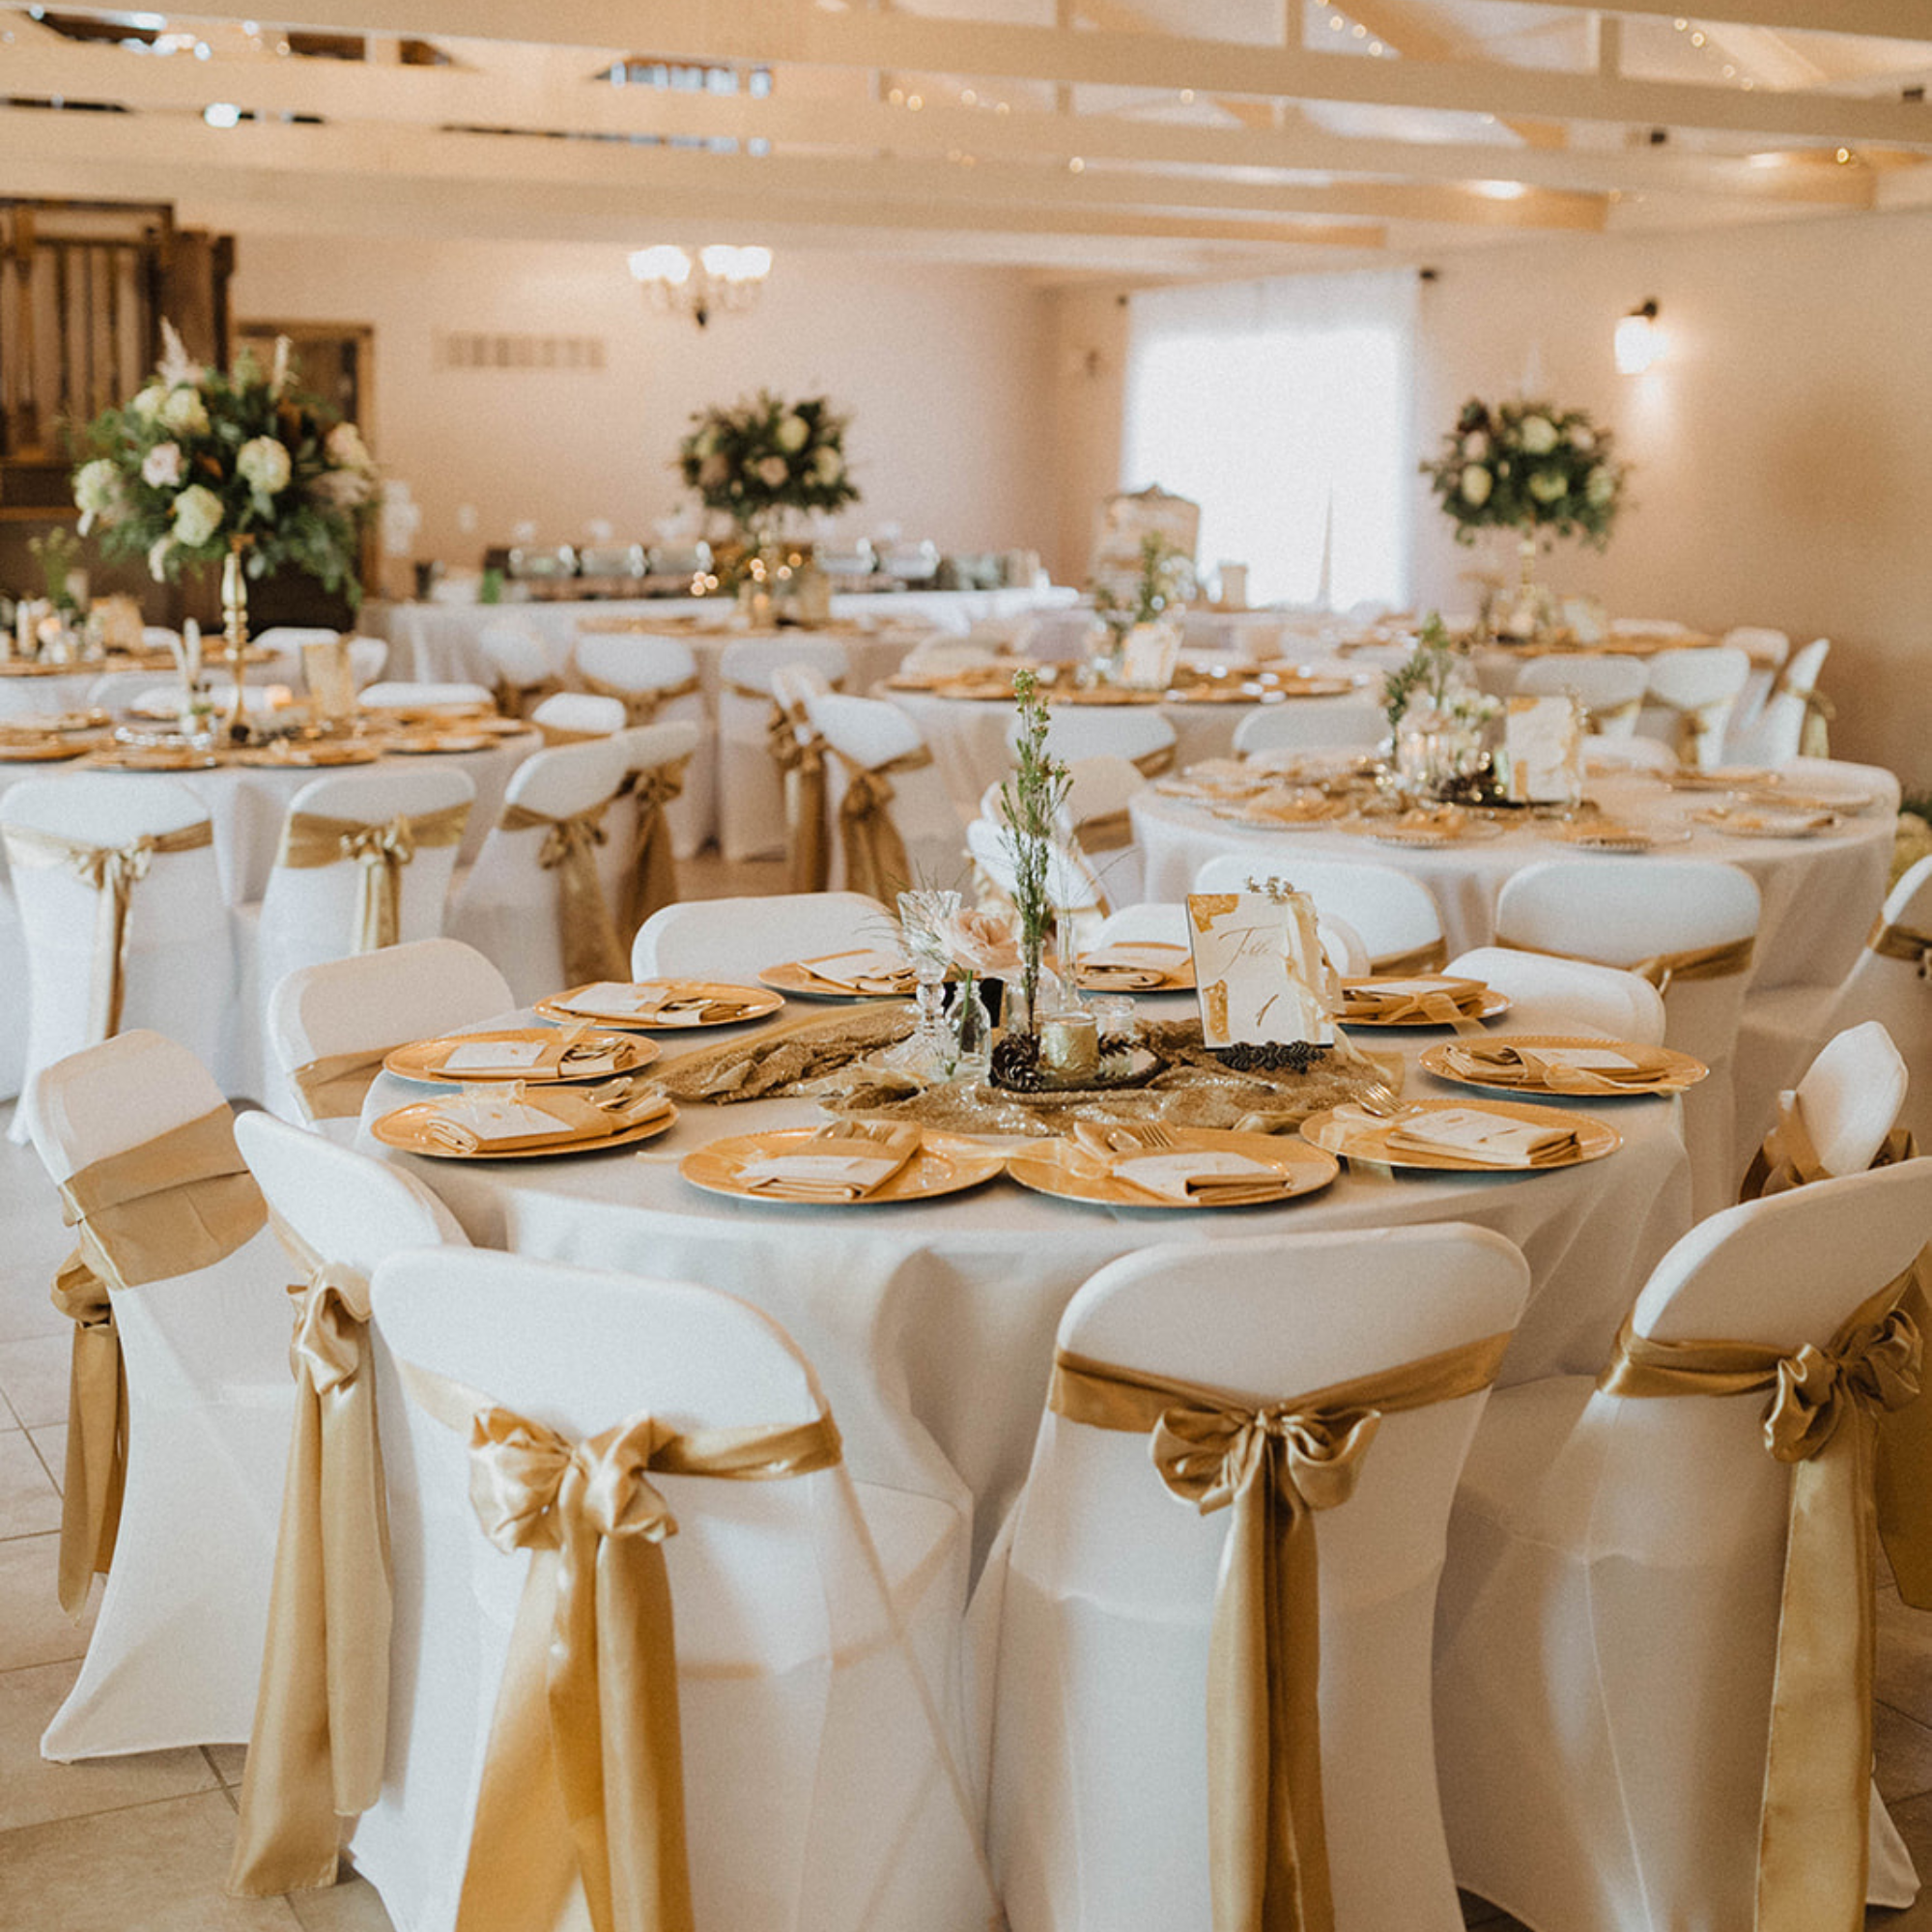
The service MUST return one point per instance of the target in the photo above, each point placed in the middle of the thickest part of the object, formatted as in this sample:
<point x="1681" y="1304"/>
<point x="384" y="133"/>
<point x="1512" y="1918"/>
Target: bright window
<point x="1283" y="408"/>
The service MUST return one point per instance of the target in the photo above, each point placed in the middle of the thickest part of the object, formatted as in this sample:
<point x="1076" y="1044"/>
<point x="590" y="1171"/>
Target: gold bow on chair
<point x="310" y="838"/>
<point x="799" y="753"/>
<point x="1661" y="969"/>
<point x="1815" y="739"/>
<point x="583" y="1775"/>
<point x="334" y="1086"/>
<point x="322" y="1712"/>
<point x="875" y="854"/>
<point x="591" y="946"/>
<point x="518" y="700"/>
<point x="651" y="880"/>
<point x="1694" y="723"/>
<point x="1595" y="716"/>
<point x="113" y="871"/>
<point x="640" y="708"/>
<point x="1156" y="763"/>
<point x="166" y="1206"/>
<point x="1900" y="941"/>
<point x="1275" y="1464"/>
<point x="1822" y="1420"/>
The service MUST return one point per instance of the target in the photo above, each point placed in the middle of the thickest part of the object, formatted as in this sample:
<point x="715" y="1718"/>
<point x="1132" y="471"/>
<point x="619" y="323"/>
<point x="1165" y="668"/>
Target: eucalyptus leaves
<point x="1031" y="802"/>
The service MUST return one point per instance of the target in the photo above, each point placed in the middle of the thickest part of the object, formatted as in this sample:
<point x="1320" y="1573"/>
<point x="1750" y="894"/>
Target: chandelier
<point x="717" y="278"/>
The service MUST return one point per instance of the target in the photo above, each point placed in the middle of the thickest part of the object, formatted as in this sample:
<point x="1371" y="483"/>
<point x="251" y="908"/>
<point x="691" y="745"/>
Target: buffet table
<point x="931" y="1324"/>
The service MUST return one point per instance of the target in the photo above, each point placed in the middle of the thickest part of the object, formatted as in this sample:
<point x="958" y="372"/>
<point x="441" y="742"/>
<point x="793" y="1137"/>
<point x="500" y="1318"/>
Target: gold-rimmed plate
<point x="405" y="1130"/>
<point x="303" y="757"/>
<point x="41" y="751"/>
<point x="1365" y="1136"/>
<point x="798" y="981"/>
<point x="1145" y="966"/>
<point x="437" y="743"/>
<point x="1062" y="1168"/>
<point x="153" y="758"/>
<point x="1431" y="838"/>
<point x="1614" y="836"/>
<point x="945" y="1164"/>
<point x="424" y="1059"/>
<point x="1767" y="823"/>
<point x="734" y="1006"/>
<point x="1481" y="1004"/>
<point x="1674" y="1070"/>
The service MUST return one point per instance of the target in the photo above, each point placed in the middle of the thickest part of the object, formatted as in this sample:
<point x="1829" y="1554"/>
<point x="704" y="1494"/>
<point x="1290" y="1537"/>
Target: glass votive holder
<point x="1070" y="1047"/>
<point x="1114" y="1018"/>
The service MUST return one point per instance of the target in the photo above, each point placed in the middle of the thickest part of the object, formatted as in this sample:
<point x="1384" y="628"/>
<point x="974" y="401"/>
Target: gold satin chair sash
<point x="799" y="753"/>
<point x="1156" y="763"/>
<point x="584" y="1774"/>
<point x="591" y="946"/>
<point x="322" y="1712"/>
<point x="875" y="854"/>
<point x="1106" y="832"/>
<point x="514" y="699"/>
<point x="1430" y="958"/>
<point x="113" y="871"/>
<point x="640" y="708"/>
<point x="167" y="1207"/>
<point x="651" y="879"/>
<point x="1814" y="738"/>
<point x="311" y="840"/>
<point x="334" y="1086"/>
<point x="1275" y="1463"/>
<point x="1822" y="1419"/>
<point x="1900" y="941"/>
<point x="1597" y="716"/>
<point x="1661" y="969"/>
<point x="1694" y="723"/>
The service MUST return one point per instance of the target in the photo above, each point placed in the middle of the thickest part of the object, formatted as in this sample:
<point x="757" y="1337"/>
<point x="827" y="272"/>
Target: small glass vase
<point x="970" y="1028"/>
<point x="933" y="1044"/>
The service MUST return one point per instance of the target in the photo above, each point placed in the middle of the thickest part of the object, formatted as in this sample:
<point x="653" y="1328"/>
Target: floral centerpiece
<point x="1531" y="468"/>
<point x="765" y="457"/>
<point x="1436" y="718"/>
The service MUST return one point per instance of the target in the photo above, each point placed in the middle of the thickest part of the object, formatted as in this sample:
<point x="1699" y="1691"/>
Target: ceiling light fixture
<point x="1640" y="341"/>
<point x="717" y="278"/>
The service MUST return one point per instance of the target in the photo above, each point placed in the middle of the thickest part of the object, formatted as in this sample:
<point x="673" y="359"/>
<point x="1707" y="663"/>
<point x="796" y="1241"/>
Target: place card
<point x="1261" y="975"/>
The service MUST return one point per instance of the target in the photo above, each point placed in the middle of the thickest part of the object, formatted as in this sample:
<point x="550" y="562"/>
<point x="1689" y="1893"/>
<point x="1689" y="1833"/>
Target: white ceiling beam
<point x="429" y="96"/>
<point x="758" y="31"/>
<point x="1884" y="19"/>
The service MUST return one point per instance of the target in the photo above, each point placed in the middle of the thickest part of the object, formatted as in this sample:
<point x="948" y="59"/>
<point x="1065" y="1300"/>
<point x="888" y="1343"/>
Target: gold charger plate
<point x="440" y="743"/>
<point x="1486" y="1006"/>
<point x="303" y="757"/>
<point x="1175" y="963"/>
<point x="945" y="1164"/>
<point x="1061" y="1167"/>
<point x="422" y="1059"/>
<point x="1616" y="838"/>
<point x="756" y="1002"/>
<point x="1427" y="838"/>
<point x="403" y="1130"/>
<point x="1681" y="1069"/>
<point x="28" y="754"/>
<point x="153" y="758"/>
<point x="1367" y="1139"/>
<point x="1768" y="823"/>
<point x="53" y="723"/>
<point x="791" y="978"/>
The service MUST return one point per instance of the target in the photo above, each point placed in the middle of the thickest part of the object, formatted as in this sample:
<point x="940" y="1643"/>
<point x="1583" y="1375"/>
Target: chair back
<point x="1777" y="734"/>
<point x="1395" y="915"/>
<point x="942" y="654"/>
<point x="1689" y="699"/>
<point x="752" y="813"/>
<point x="1062" y="637"/>
<point x="566" y="717"/>
<point x="750" y="662"/>
<point x="513" y="647"/>
<point x="367" y="1003"/>
<point x="1135" y="733"/>
<point x="635" y="661"/>
<point x="1311" y="723"/>
<point x="1850" y="1097"/>
<point x="1893" y="984"/>
<point x="406" y="694"/>
<point x="1608" y="753"/>
<point x="1562" y="996"/>
<point x="1071" y="883"/>
<point x="1609" y="689"/>
<point x="368" y="659"/>
<point x="733" y="939"/>
<point x="869" y="732"/>
<point x="1102" y="1712"/>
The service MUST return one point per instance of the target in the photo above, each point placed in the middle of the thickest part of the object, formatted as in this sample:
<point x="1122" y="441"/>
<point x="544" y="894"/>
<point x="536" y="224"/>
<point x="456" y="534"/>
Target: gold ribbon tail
<point x="875" y="854"/>
<point x="96" y="1440"/>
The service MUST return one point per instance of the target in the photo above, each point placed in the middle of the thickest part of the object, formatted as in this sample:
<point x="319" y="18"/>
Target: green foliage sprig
<point x="1031" y="802"/>
<point x="1426" y="672"/>
<point x="1166" y="578"/>
<point x="1528" y="466"/>
<point x="58" y="554"/>
<point x="764" y="455"/>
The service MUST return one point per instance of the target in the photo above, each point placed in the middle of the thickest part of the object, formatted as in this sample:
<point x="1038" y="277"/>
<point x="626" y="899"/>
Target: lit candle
<point x="1069" y="1046"/>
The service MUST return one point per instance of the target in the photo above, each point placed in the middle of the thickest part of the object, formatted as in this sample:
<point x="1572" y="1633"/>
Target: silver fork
<point x="1151" y="1136"/>
<point x="1381" y="1100"/>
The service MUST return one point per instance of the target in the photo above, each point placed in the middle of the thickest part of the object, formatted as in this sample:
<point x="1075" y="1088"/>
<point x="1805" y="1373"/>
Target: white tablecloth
<point x="1820" y="895"/>
<point x="931" y="1324"/>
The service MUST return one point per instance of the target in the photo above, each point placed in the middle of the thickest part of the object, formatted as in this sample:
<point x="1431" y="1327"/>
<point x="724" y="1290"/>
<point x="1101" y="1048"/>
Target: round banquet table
<point x="246" y="804"/>
<point x="1819" y="894"/>
<point x="931" y="1324"/>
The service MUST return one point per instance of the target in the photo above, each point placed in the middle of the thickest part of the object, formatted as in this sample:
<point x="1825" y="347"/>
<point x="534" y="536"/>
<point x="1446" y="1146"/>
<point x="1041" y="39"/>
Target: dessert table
<point x="931" y="1322"/>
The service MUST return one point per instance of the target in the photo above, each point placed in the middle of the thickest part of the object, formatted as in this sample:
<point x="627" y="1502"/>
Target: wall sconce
<point x="1640" y="340"/>
<point x="719" y="279"/>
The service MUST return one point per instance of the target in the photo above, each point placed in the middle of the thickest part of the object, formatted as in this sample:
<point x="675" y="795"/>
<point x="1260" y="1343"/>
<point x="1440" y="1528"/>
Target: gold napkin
<point x="1472" y="1133"/>
<point x="507" y="1119"/>
<point x="864" y="971"/>
<point x="1433" y="821"/>
<point x="1151" y="1165"/>
<point x="574" y="1054"/>
<point x="1786" y="824"/>
<point x="1560" y="1070"/>
<point x="616" y="1000"/>
<point x="846" y="1160"/>
<point x="1447" y="1001"/>
<point x="1291" y="808"/>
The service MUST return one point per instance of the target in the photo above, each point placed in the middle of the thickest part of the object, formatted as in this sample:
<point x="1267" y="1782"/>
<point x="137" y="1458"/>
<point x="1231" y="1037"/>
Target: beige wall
<point x="944" y="369"/>
<point x="1784" y="449"/>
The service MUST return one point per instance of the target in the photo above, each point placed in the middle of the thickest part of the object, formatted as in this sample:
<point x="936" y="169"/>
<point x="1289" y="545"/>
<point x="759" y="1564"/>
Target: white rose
<point x="346" y="449"/>
<point x="146" y="403"/>
<point x="183" y="413"/>
<point x="98" y="493"/>
<point x="262" y="464"/>
<point x="1476" y="446"/>
<point x="774" y="473"/>
<point x="1547" y="485"/>
<point x="827" y="466"/>
<point x="161" y="469"/>
<point x="344" y="487"/>
<point x="1581" y="439"/>
<point x="1538" y="434"/>
<point x="793" y="433"/>
<point x="1476" y="485"/>
<point x="1600" y="486"/>
<point x="197" y="516"/>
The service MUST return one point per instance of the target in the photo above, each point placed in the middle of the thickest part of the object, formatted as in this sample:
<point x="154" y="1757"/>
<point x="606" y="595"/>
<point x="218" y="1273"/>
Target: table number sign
<point x="1543" y="740"/>
<point x="1148" y="656"/>
<point x="1259" y="972"/>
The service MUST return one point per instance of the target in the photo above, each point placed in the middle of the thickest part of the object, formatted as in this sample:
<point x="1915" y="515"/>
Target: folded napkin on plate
<point x="1445" y="1001"/>
<point x="564" y="1056"/>
<point x="500" y="1121"/>
<point x="1128" y="968"/>
<point x="1206" y="1177"/>
<point x="618" y="1000"/>
<point x="862" y="971"/>
<point x="1473" y="1134"/>
<point x="846" y="1160"/>
<point x="1775" y="823"/>
<point x="1562" y="1070"/>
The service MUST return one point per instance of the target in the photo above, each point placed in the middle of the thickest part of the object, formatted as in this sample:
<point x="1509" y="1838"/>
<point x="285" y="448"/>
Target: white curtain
<point x="1283" y="408"/>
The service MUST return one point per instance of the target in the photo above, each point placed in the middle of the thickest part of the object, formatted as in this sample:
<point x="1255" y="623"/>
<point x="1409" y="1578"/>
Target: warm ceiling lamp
<point x="1640" y="340"/>
<point x="718" y="278"/>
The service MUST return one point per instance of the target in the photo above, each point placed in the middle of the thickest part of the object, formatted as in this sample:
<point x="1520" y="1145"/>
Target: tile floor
<point x="140" y="1844"/>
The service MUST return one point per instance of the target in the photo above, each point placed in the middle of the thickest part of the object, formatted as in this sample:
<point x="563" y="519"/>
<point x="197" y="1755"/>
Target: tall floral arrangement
<point x="764" y="457"/>
<point x="1531" y="468"/>
<point x="200" y="463"/>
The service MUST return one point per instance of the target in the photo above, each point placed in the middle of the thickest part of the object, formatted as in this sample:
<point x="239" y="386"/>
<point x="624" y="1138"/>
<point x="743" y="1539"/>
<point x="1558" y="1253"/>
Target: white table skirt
<point x="1820" y="895"/>
<point x="931" y="1325"/>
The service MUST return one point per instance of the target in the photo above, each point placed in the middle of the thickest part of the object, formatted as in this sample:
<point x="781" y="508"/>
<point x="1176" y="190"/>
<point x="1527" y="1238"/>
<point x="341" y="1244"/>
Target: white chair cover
<point x="1070" y="880"/>
<point x="1609" y="689"/>
<point x="13" y="1012"/>
<point x="425" y="696"/>
<point x="180" y="953"/>
<point x="1692" y="694"/>
<point x="1076" y="733"/>
<point x="1560" y="996"/>
<point x="820" y="1788"/>
<point x="175" y="1650"/>
<point x="750" y="797"/>
<point x="1620" y="912"/>
<point x="513" y="647"/>
<point x="1623" y="754"/>
<point x="1608" y="1625"/>
<point x="1851" y="1096"/>
<point x="1101" y="1586"/>
<point x="507" y="907"/>
<point x="640" y="665"/>
<point x="733" y="939"/>
<point x="1394" y="914"/>
<point x="370" y="1003"/>
<point x="1100" y="789"/>
<point x="576" y="714"/>
<point x="1777" y="734"/>
<point x="1768" y="650"/>
<point x="1311" y="723"/>
<point x="870" y="733"/>
<point x="1167" y="925"/>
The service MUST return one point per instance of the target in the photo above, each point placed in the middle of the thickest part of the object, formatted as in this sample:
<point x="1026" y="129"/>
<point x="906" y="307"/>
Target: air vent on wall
<point x="466" y="350"/>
